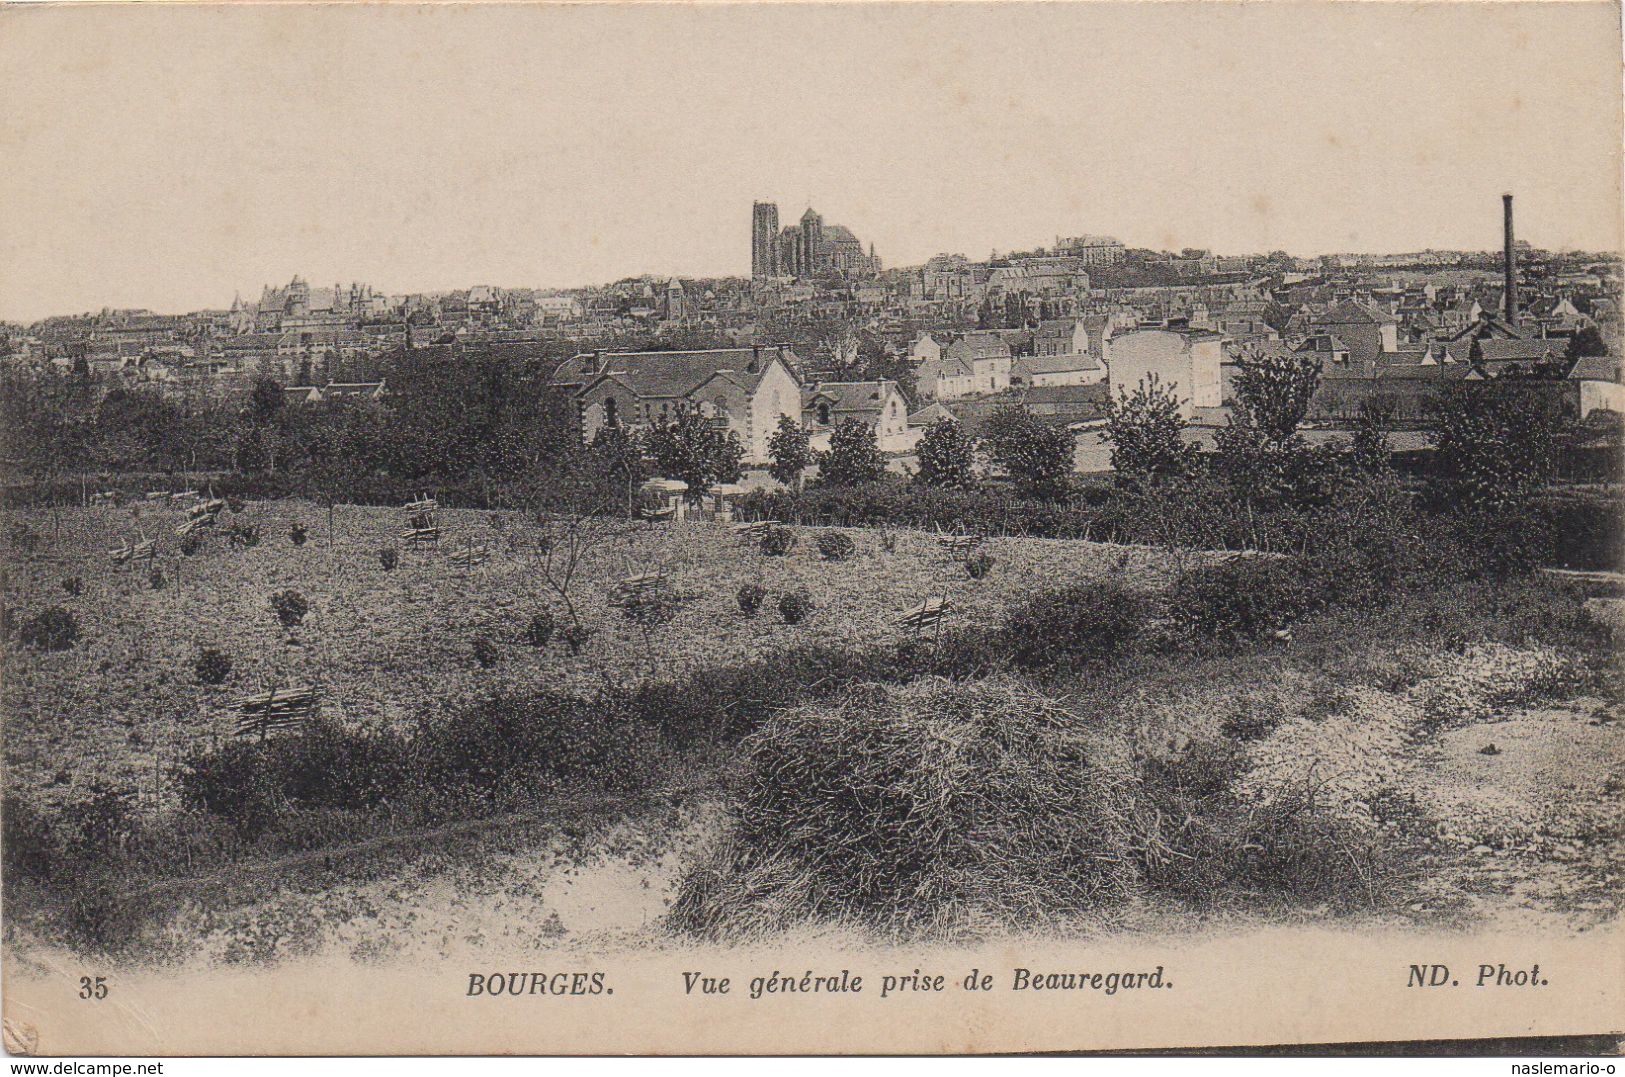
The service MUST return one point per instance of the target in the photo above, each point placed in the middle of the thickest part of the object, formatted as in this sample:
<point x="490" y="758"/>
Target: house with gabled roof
<point x="354" y="390"/>
<point x="879" y="405"/>
<point x="746" y="390"/>
<point x="1368" y="331"/>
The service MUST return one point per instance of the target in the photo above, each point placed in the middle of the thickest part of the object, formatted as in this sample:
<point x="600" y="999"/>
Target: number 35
<point x="93" y="988"/>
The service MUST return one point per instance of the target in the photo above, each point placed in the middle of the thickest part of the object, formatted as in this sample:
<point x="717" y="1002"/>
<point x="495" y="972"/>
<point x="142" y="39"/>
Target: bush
<point x="30" y="844"/>
<point x="1241" y="598"/>
<point x="297" y="534"/>
<point x="191" y="543"/>
<point x="979" y="564"/>
<point x="835" y="545"/>
<point x="946" y="806"/>
<point x="653" y="608"/>
<point x="23" y="539"/>
<point x="52" y="629"/>
<point x="290" y="608"/>
<point x="539" y="631"/>
<point x="156" y="580"/>
<point x="389" y="557"/>
<point x="486" y="653"/>
<point x="795" y="607"/>
<point x="235" y="504"/>
<point x="751" y="597"/>
<point x="1089" y="622"/>
<point x="576" y="637"/>
<point x="212" y="666"/>
<point x="245" y="535"/>
<point x="74" y="586"/>
<point x="778" y="541"/>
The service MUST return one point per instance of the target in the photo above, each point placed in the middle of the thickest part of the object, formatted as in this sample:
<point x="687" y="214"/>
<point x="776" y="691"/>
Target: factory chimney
<point x="1511" y="266"/>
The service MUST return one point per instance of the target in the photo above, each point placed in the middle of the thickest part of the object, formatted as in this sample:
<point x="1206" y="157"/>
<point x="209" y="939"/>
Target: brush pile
<point x="933" y="808"/>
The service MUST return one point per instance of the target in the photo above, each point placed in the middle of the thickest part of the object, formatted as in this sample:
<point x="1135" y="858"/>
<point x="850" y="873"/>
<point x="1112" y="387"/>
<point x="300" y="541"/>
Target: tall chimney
<point x="1511" y="266"/>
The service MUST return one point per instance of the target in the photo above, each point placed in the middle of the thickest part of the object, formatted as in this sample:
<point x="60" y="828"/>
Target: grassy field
<point x="392" y="646"/>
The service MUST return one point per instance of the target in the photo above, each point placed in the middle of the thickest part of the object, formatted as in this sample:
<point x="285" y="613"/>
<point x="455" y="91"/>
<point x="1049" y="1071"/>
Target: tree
<point x="1587" y="342"/>
<point x="853" y="457"/>
<point x="947" y="456"/>
<point x="1037" y="455"/>
<point x="1260" y="451"/>
<point x="694" y="449"/>
<point x="1146" y="430"/>
<point x="1497" y="441"/>
<point x="1369" y="445"/>
<point x="789" y="450"/>
<point x="1273" y="391"/>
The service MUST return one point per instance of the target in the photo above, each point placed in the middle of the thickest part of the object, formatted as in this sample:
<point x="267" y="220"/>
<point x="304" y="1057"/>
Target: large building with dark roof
<point x="806" y="249"/>
<point x="746" y="390"/>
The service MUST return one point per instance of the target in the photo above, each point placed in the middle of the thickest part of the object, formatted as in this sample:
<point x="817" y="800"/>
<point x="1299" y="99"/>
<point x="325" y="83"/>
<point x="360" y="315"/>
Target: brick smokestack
<point x="1511" y="261"/>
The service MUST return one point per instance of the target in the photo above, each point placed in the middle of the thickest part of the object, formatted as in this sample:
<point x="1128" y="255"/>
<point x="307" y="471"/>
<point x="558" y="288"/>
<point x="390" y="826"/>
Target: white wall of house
<point x="778" y="394"/>
<point x="1191" y="365"/>
<point x="1601" y="394"/>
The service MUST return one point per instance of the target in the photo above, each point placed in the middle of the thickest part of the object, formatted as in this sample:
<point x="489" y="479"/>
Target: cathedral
<point x="807" y="249"/>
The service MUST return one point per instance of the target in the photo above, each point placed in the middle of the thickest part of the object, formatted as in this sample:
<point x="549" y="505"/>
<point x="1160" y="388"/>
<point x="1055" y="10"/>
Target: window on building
<point x="823" y="414"/>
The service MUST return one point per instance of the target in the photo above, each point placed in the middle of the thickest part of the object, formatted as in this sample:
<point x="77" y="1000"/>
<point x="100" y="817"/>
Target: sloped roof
<point x="1495" y="350"/>
<point x="851" y="396"/>
<point x="1028" y="365"/>
<point x="671" y="375"/>
<point x="1350" y="311"/>
<point x="1596" y="368"/>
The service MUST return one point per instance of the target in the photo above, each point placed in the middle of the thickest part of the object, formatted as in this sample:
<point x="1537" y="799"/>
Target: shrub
<point x="30" y="844"/>
<point x="290" y="608"/>
<point x="947" y="805"/>
<point x="576" y="637"/>
<point x="191" y="543"/>
<point x="486" y="652"/>
<point x="244" y="535"/>
<point x="74" y="586"/>
<point x="1088" y="622"/>
<point x="778" y="541"/>
<point x="888" y="540"/>
<point x="212" y="666"/>
<point x="105" y="821"/>
<point x="235" y="504"/>
<point x="835" y="545"/>
<point x="652" y="608"/>
<point x="978" y="564"/>
<point x="23" y="539"/>
<point x="751" y="597"/>
<point x="156" y="580"/>
<point x="511" y="749"/>
<point x="795" y="606"/>
<point x="389" y="557"/>
<point x="297" y="534"/>
<point x="1241" y="598"/>
<point x="52" y="629"/>
<point x="539" y="631"/>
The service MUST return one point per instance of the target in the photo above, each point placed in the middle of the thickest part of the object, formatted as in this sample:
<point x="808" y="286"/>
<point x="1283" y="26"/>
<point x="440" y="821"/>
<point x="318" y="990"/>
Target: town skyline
<point x="247" y="296"/>
<point x="1242" y="131"/>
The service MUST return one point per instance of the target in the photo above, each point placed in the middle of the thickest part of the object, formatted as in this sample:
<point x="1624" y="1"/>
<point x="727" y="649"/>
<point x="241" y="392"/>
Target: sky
<point x="167" y="157"/>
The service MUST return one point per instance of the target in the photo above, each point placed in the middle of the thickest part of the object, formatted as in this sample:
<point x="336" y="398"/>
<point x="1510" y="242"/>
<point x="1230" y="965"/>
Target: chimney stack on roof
<point x="1511" y="260"/>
